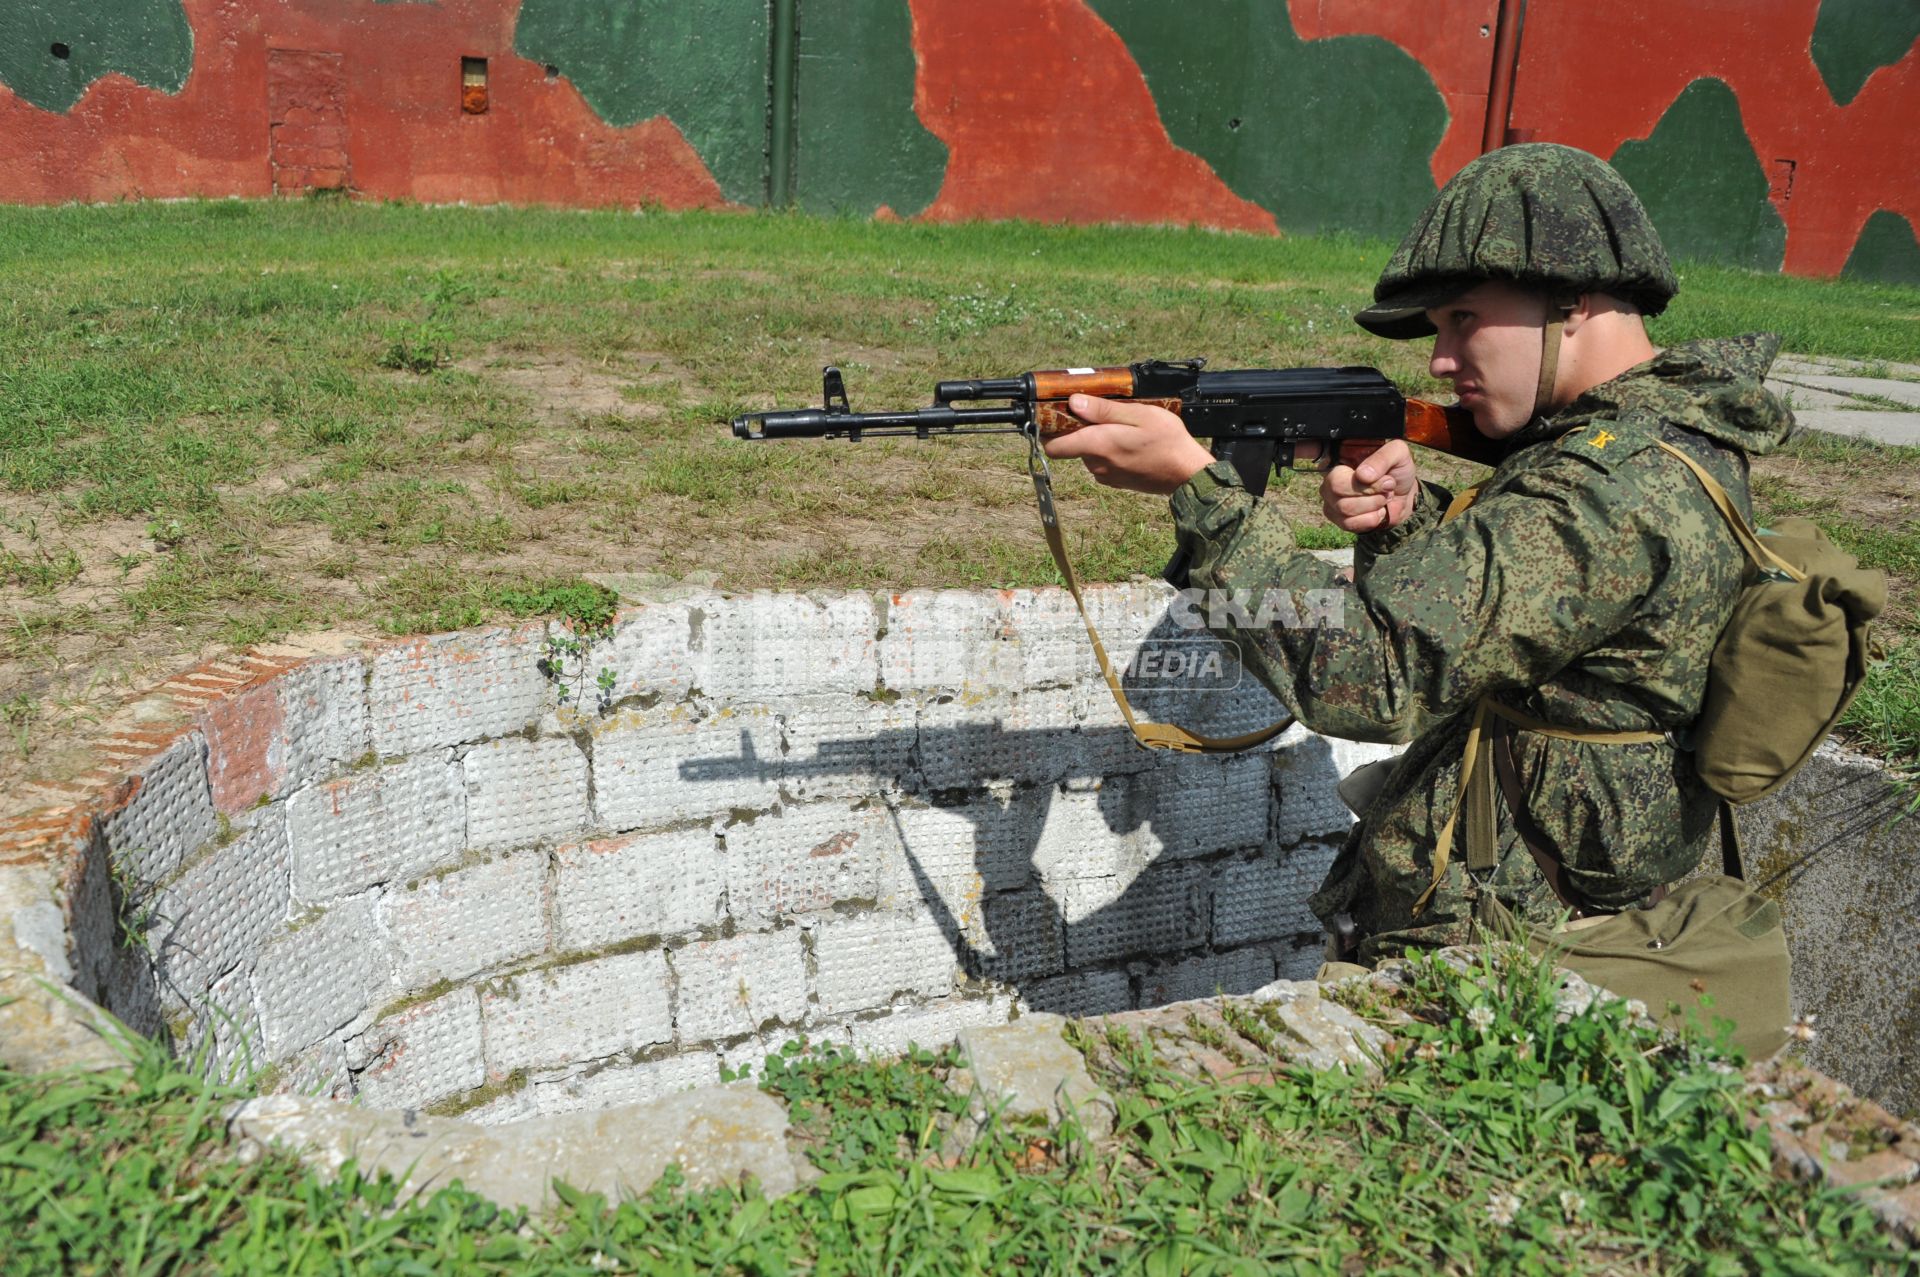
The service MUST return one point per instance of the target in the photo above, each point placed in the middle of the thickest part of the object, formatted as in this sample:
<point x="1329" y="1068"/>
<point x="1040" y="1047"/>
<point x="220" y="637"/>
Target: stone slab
<point x="1026" y="1072"/>
<point x="1899" y="428"/>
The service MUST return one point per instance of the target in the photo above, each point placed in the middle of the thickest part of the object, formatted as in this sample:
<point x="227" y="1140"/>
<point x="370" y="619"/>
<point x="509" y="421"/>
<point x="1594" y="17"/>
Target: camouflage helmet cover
<point x="1536" y="214"/>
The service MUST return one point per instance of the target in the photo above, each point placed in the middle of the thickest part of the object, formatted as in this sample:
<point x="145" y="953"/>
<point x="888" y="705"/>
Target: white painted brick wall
<point x="1080" y="994"/>
<point x="453" y="926"/>
<point x="589" y="1011"/>
<point x="224" y="1033"/>
<point x="1015" y="936"/>
<point x="804" y="860"/>
<point x="311" y="981"/>
<point x="986" y="843"/>
<point x="932" y="1027"/>
<point x="1306" y="769"/>
<point x="846" y="746"/>
<point x="168" y="816"/>
<point x="971" y="740"/>
<point x="1239" y="971"/>
<point x="777" y="645"/>
<point x="521" y="792"/>
<point x="324" y="707"/>
<point x="862" y="961"/>
<point x="448" y="689"/>
<point x="621" y="1083"/>
<point x="650" y="654"/>
<point x="947" y="640"/>
<point x="639" y="885"/>
<point x="320" y="1071"/>
<point x="731" y="987"/>
<point x="219" y="912"/>
<point x="385" y="824"/>
<point x="423" y="1054"/>
<point x="661" y="766"/>
<point x="1049" y="638"/>
<point x="1090" y="831"/>
<point x="1203" y="805"/>
<point x="1162" y="911"/>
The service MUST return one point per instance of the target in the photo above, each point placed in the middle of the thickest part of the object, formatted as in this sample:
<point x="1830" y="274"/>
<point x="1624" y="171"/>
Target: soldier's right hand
<point x="1377" y="494"/>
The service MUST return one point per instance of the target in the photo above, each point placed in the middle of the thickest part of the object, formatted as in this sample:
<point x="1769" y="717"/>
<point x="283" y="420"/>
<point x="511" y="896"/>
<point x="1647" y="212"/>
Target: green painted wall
<point x="859" y="144"/>
<point x="700" y="63"/>
<point x="1854" y="38"/>
<point x="1703" y="185"/>
<point x="146" y="40"/>
<point x="1886" y="251"/>
<point x="1329" y="134"/>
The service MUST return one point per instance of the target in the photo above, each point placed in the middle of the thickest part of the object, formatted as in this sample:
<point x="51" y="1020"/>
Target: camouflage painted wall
<point x="1768" y="133"/>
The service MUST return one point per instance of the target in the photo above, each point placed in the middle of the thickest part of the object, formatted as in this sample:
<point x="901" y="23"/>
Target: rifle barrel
<point x="820" y="423"/>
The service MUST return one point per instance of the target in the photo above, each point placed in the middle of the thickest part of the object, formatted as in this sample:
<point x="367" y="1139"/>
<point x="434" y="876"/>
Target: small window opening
<point x="473" y="86"/>
<point x="60" y="50"/>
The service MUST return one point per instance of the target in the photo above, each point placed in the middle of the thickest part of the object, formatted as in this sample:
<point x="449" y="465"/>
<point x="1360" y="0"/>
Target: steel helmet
<point x="1538" y="215"/>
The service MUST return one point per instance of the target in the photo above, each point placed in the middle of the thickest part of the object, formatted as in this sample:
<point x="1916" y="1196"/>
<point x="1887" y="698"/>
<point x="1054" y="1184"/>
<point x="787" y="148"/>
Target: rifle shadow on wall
<point x="1079" y="870"/>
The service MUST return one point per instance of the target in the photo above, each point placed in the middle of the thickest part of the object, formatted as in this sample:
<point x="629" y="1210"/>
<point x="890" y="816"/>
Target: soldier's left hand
<point x="1134" y="446"/>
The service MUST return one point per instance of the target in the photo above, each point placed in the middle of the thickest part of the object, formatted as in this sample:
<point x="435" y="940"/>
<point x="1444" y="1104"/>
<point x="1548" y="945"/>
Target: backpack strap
<point x="1763" y="558"/>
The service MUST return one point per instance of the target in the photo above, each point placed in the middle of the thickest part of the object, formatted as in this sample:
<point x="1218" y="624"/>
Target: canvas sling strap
<point x="1151" y="735"/>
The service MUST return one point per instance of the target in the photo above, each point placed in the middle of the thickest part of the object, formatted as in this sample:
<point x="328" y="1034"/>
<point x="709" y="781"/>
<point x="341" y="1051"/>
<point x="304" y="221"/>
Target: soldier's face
<point x="1487" y="344"/>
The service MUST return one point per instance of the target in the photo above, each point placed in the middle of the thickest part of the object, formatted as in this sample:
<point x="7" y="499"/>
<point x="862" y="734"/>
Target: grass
<point x="1501" y="1139"/>
<point x="221" y="423"/>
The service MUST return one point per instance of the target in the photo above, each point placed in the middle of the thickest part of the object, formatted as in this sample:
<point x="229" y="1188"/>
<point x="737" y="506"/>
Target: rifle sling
<point x="1151" y="735"/>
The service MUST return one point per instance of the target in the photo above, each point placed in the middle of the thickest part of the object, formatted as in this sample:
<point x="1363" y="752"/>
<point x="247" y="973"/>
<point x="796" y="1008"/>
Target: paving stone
<point x="376" y="826"/>
<point x="169" y="815"/>
<point x="731" y="987"/>
<point x="1025" y="1071"/>
<point x="766" y="645"/>
<point x="522" y="792"/>
<point x="616" y="889"/>
<point x="1899" y="428"/>
<point x="863" y="960"/>
<point x="1902" y="392"/>
<point x="663" y="766"/>
<point x="574" y="1014"/>
<point x="423" y="1054"/>
<point x="315" y="978"/>
<point x="219" y="912"/>
<point x="452" y="926"/>
<point x="448" y="689"/>
<point x="805" y="860"/>
<point x="718" y="1137"/>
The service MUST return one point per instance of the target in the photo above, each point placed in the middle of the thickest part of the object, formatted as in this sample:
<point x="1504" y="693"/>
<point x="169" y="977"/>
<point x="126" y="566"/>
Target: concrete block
<point x="1080" y="994"/>
<point x="1091" y="831"/>
<point x="987" y="842"/>
<point x="168" y="816"/>
<point x="735" y="986"/>
<point x="623" y="888"/>
<point x="313" y="979"/>
<point x="863" y="960"/>
<point x="805" y="859"/>
<point x="1237" y="971"/>
<point x="1306" y="767"/>
<point x="969" y="740"/>
<point x="650" y="653"/>
<point x="317" y="1073"/>
<point x="522" y="792"/>
<point x="133" y="993"/>
<point x="1108" y="747"/>
<point x="1047" y="636"/>
<point x="219" y="912"/>
<point x="767" y="645"/>
<point x="658" y="767"/>
<point x="846" y="747"/>
<point x="422" y="1054"/>
<point x="750" y="1053"/>
<point x="452" y="926"/>
<point x="1162" y="911"/>
<point x="1266" y="898"/>
<point x="620" y="1083"/>
<point x="1013" y="936"/>
<point x="947" y="640"/>
<point x="931" y="1028"/>
<point x="1203" y="805"/>
<point x="286" y="732"/>
<point x="224" y="1034"/>
<point x="514" y="1106"/>
<point x="570" y="1015"/>
<point x="449" y="689"/>
<point x="382" y="825"/>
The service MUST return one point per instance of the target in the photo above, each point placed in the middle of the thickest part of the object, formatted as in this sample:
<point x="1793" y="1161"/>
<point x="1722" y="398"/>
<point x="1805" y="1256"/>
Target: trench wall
<point x="484" y="873"/>
<point x="1769" y="134"/>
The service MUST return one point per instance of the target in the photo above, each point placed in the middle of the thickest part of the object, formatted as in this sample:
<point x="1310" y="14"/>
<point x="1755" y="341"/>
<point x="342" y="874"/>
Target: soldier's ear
<point x="1579" y="308"/>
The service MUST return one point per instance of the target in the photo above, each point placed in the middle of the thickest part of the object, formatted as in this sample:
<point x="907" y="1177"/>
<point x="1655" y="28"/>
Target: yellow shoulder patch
<point x="1600" y="439"/>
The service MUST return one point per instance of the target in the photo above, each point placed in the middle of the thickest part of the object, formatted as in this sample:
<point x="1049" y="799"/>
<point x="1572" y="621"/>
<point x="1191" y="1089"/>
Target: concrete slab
<point x="1829" y="364"/>
<point x="1902" y="428"/>
<point x="1802" y="398"/>
<point x="1858" y="388"/>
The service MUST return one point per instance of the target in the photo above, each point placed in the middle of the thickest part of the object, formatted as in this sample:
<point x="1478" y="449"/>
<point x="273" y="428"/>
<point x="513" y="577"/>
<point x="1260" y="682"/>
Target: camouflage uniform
<point x="1585" y="587"/>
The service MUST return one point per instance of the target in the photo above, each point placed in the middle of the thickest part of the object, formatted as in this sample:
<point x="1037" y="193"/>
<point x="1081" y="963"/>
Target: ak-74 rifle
<point x="1255" y="418"/>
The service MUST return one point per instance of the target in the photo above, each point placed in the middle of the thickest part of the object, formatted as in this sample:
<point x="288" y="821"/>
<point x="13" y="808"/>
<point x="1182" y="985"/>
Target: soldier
<point x="1580" y="593"/>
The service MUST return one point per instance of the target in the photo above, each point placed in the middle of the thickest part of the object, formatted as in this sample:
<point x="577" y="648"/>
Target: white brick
<point x="640" y="885"/>
<point x="1048" y="637"/>
<point x="1204" y="710"/>
<point x="1240" y="971"/>
<point x="452" y="688"/>
<point x="219" y="912"/>
<point x="319" y="1072"/>
<point x="987" y="842"/>
<point x="224" y="1034"/>
<point x="324" y="707"/>
<point x="423" y="1054"/>
<point x="862" y="961"/>
<point x="788" y="644"/>
<point x="618" y="1084"/>
<point x="751" y="1053"/>
<point x="521" y="792"/>
<point x="947" y="640"/>
<point x="1080" y="994"/>
<point x="312" y="980"/>
<point x="931" y="1028"/>
<point x="1202" y="805"/>
<point x="169" y="814"/>
<point x="514" y="1106"/>
<point x="1162" y="911"/>
<point x="574" y="1014"/>
<point x="451" y="926"/>
<point x="1013" y="936"/>
<point x="376" y="826"/>
<point x="805" y="859"/>
<point x="1091" y="831"/>
<point x="969" y="740"/>
<point x="846" y="746"/>
<point x="1266" y="899"/>
<point x="732" y="987"/>
<point x="649" y="652"/>
<point x="1107" y="745"/>
<point x="657" y="767"/>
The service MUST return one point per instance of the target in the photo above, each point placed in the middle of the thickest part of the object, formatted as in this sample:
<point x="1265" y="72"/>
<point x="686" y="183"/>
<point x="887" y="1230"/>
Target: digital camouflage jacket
<point x="1585" y="587"/>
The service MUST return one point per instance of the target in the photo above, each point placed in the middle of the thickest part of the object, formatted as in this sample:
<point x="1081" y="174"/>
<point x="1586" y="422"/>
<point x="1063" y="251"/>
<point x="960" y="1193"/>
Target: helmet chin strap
<point x="1558" y="308"/>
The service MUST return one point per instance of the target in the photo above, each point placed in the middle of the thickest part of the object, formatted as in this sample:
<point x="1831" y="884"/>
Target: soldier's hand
<point x="1377" y="494"/>
<point x="1134" y="446"/>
